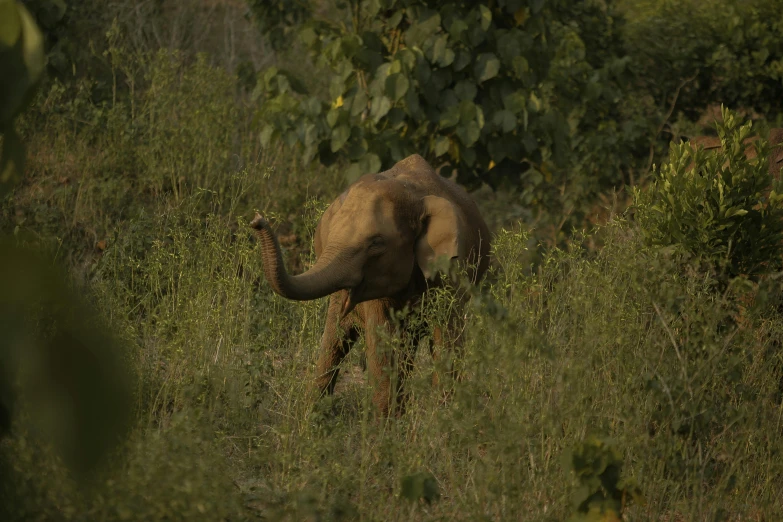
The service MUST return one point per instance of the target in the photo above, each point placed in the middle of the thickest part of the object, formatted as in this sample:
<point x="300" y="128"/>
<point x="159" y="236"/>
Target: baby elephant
<point x="375" y="246"/>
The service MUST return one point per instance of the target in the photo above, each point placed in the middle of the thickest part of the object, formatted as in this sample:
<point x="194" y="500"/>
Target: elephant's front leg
<point x="389" y="361"/>
<point x="337" y="340"/>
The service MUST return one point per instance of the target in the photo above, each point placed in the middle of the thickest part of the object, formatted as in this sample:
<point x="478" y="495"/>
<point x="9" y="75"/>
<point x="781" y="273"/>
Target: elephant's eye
<point x="377" y="244"/>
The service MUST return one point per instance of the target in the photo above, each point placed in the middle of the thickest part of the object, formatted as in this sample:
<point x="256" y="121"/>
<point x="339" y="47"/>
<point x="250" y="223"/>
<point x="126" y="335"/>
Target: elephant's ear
<point x="442" y="235"/>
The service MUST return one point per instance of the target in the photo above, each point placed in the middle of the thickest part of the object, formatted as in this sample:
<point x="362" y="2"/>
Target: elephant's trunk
<point x="323" y="279"/>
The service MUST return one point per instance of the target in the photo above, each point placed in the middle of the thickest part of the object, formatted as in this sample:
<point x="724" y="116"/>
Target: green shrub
<point x="512" y="95"/>
<point x="719" y="208"/>
<point x="694" y="53"/>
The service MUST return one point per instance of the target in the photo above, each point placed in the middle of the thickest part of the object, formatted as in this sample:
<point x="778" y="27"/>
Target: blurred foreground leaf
<point x="58" y="359"/>
<point x="21" y="66"/>
<point x="21" y="59"/>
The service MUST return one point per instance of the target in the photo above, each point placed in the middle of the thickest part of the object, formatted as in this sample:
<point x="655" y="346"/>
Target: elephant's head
<point x="369" y="242"/>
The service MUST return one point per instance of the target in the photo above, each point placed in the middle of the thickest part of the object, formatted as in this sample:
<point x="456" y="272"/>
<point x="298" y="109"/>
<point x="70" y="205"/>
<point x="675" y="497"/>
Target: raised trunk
<point x="324" y="278"/>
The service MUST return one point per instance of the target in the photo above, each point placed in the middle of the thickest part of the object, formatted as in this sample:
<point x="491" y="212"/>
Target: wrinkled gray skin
<point x="375" y="246"/>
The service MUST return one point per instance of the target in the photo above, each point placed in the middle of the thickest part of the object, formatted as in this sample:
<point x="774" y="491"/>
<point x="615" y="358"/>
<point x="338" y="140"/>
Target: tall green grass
<point x="618" y="343"/>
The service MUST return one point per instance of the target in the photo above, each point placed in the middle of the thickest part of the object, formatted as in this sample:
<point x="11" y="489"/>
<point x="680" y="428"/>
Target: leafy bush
<point x="717" y="207"/>
<point x="514" y="94"/>
<point x="602" y="495"/>
<point x="618" y="342"/>
<point x="561" y="101"/>
<point x="694" y="53"/>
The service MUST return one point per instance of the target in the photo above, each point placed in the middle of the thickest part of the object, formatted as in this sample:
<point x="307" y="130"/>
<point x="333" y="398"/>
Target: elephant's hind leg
<point x="336" y="342"/>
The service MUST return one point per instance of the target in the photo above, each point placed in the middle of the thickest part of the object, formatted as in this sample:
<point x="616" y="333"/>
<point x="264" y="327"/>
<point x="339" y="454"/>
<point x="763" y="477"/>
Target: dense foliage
<point x="708" y="52"/>
<point x="562" y="101"/>
<point x="511" y="95"/>
<point x="604" y="381"/>
<point x="720" y="207"/>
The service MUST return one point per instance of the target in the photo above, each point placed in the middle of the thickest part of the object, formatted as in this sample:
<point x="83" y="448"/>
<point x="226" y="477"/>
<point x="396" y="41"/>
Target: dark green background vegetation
<point x="623" y="357"/>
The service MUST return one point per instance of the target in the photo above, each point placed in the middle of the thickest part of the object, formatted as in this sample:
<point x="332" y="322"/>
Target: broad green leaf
<point x="423" y="71"/>
<point x="440" y="53"/>
<point x="466" y="90"/>
<point x="379" y="107"/>
<point x="371" y="7"/>
<point x="359" y="102"/>
<point x="336" y="87"/>
<point x="535" y="103"/>
<point x="311" y="106"/>
<point x="487" y="67"/>
<point x="353" y="172"/>
<point x="520" y="66"/>
<point x="427" y="25"/>
<point x="441" y="146"/>
<point x="447" y="58"/>
<point x="370" y="163"/>
<point x="412" y="105"/>
<point x="309" y="134"/>
<point x="476" y="35"/>
<point x="22" y="65"/>
<point x="458" y="26"/>
<point x="505" y="120"/>
<point x="333" y="52"/>
<point x="407" y="58"/>
<point x="340" y="135"/>
<point x="735" y="211"/>
<point x="449" y="117"/>
<point x="515" y="101"/>
<point x="395" y="19"/>
<point x="485" y="17"/>
<point x="10" y="24"/>
<point x="462" y="60"/>
<point x="508" y="46"/>
<point x="332" y="116"/>
<point x="382" y="71"/>
<point x="395" y="67"/>
<point x="468" y="133"/>
<point x="469" y="156"/>
<point x="308" y="36"/>
<point x="467" y="111"/>
<point x="70" y="367"/>
<point x="396" y="86"/>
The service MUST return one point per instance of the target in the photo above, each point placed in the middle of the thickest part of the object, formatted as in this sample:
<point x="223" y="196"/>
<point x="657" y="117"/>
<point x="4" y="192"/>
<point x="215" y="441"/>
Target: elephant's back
<point x="420" y="177"/>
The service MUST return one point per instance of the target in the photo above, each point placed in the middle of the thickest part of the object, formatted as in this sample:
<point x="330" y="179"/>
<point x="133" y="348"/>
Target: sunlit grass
<point x="617" y="343"/>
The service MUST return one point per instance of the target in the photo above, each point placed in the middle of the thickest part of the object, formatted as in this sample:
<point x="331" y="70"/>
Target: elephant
<point x="377" y="247"/>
